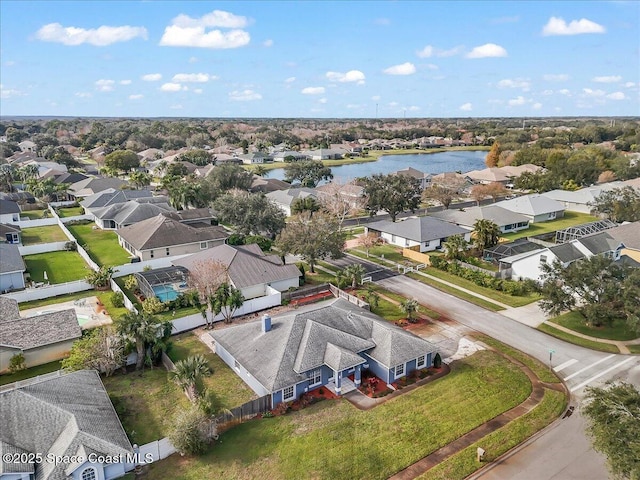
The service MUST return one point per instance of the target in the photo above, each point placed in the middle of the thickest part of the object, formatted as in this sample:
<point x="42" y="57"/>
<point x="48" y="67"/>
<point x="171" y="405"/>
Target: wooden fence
<point x="245" y="411"/>
<point x="305" y="292"/>
<point x="347" y="296"/>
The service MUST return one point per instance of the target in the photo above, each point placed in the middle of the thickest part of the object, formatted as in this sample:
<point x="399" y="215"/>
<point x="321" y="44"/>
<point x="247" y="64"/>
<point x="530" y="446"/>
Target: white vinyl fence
<point x="49" y="291"/>
<point x="40" y="222"/>
<point x="129" y="268"/>
<point x="159" y="450"/>
<point x="41" y="248"/>
<point x="127" y="303"/>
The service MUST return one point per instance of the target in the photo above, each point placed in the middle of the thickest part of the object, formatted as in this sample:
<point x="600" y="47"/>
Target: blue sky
<point x="320" y="59"/>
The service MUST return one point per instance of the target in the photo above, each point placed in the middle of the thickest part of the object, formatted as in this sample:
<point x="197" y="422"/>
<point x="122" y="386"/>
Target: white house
<point x="285" y="198"/>
<point x="9" y="211"/>
<point x="428" y="233"/>
<point x="507" y="221"/>
<point x="536" y="207"/>
<point x="12" y="268"/>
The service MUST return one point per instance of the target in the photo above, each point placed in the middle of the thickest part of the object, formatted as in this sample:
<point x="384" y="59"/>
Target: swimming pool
<point x="165" y="293"/>
<point x="83" y="319"/>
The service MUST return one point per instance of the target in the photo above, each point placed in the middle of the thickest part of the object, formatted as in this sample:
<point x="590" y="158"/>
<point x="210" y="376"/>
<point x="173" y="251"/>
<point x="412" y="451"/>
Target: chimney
<point x="266" y="323"/>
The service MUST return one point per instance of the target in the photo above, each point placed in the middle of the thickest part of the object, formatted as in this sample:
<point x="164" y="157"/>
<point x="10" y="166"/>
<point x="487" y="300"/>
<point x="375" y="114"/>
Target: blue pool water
<point x="165" y="293"/>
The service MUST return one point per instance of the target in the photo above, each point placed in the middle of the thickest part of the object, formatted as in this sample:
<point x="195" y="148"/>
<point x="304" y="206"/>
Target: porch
<point x="346" y="386"/>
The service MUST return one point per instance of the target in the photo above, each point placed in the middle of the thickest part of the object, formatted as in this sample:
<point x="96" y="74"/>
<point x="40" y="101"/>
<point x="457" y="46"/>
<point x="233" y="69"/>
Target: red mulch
<point x="326" y="393"/>
<point x="311" y="298"/>
<point x="379" y="386"/>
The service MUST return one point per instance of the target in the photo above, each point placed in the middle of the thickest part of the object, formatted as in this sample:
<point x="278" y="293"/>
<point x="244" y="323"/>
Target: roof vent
<point x="266" y="323"/>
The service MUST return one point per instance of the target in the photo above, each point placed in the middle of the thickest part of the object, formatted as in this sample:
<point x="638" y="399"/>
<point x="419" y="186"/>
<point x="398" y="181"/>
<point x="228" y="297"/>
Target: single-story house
<point x="507" y="220"/>
<point x="121" y="215"/>
<point x="92" y="185"/>
<point x="324" y="154"/>
<point x="489" y="175"/>
<point x="452" y="180"/>
<point x="319" y="346"/>
<point x="285" y="198"/>
<point x="163" y="236"/>
<point x="72" y="177"/>
<point x="422" y="177"/>
<point x="21" y="198"/>
<point x="10" y="233"/>
<point x="267" y="185"/>
<point x="291" y="155"/>
<point x="350" y="193"/>
<point x="9" y="211"/>
<point x="514" y="171"/>
<point x="428" y="233"/>
<point x="255" y="158"/>
<point x="69" y="417"/>
<point x="12" y="268"/>
<point x="112" y="196"/>
<point x="27" y="146"/>
<point x="528" y="265"/>
<point x="42" y="338"/>
<point x="578" y="200"/>
<point x="248" y="268"/>
<point x="536" y="207"/>
<point x="629" y="235"/>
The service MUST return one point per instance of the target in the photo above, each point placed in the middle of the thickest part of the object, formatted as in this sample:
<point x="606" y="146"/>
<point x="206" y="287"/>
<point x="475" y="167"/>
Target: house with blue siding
<point x="321" y="345"/>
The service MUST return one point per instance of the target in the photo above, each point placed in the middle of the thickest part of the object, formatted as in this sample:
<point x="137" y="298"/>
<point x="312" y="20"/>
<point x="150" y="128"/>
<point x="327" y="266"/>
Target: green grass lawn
<point x="59" y="299"/>
<point x="511" y="300"/>
<point x="634" y="348"/>
<point x="229" y="390"/>
<point x="569" y="220"/>
<point x="49" y="234"/>
<point x="145" y="402"/>
<point x="567" y="337"/>
<point x="102" y="245"/>
<point x="576" y="322"/>
<point x="334" y="440"/>
<point x="33" y="214"/>
<point x="60" y="266"/>
<point x="399" y="298"/>
<point x="29" y="373"/>
<point x="464" y="463"/>
<point x="70" y="212"/>
<point x="388" y="251"/>
<point x="113" y="311"/>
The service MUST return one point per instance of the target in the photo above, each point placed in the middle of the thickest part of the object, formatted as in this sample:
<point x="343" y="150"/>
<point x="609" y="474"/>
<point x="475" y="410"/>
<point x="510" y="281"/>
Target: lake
<point x="453" y="161"/>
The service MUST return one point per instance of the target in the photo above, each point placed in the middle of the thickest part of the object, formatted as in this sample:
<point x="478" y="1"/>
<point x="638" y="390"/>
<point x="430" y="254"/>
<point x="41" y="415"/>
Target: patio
<point x="89" y="311"/>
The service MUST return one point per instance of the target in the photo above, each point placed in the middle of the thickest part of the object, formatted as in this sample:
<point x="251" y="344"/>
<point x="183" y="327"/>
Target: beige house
<point x="41" y="339"/>
<point x="163" y="236"/>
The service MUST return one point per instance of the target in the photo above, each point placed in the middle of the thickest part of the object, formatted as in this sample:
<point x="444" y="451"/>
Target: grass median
<point x="583" y="342"/>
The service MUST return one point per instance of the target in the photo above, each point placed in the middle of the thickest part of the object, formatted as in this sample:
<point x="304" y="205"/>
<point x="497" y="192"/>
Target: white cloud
<point x="413" y="108"/>
<point x="593" y="93"/>
<point x="407" y="68"/>
<point x="607" y="79"/>
<point x="432" y="66"/>
<point x="519" y="100"/>
<point x="629" y="84"/>
<point x="546" y="93"/>
<point x="350" y="76"/>
<point x="104" y="85"/>
<point x="171" y="87"/>
<point x="267" y="43"/>
<point x="431" y="51"/>
<point x="193" y="59"/>
<point x="376" y="98"/>
<point x="244" y="95"/>
<point x="313" y="90"/>
<point x="152" y="77"/>
<point x="556" y="77"/>
<point x="137" y="96"/>
<point x="393" y="104"/>
<point x="536" y="106"/>
<point x="487" y="50"/>
<point x="197" y="90"/>
<point x="100" y="37"/>
<point x="466" y="107"/>
<point x="322" y="100"/>
<point x="522" y="83"/>
<point x="83" y="94"/>
<point x="192" y="77"/>
<point x="616" y="96"/>
<point x="565" y="91"/>
<point x="557" y="26"/>
<point x="125" y="82"/>
<point x="290" y="80"/>
<point x="185" y="31"/>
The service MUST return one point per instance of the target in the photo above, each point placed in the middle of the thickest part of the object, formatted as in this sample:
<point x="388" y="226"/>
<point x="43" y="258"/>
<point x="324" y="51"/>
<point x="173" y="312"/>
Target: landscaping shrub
<point x="117" y="298"/>
<point x="17" y="363"/>
<point x="263" y="242"/>
<point x="71" y="246"/>
<point x="191" y="431"/>
<point x="153" y="305"/>
<point x="235" y="239"/>
<point x="437" y="361"/>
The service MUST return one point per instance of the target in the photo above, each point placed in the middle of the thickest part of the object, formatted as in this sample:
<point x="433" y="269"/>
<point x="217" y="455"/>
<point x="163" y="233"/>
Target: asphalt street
<point x="375" y="271"/>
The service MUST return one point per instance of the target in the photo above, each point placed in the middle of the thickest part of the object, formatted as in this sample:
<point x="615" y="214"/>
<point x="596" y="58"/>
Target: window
<point x="552" y="215"/>
<point x="543" y="259"/>
<point x="399" y="370"/>
<point x="167" y="251"/>
<point x="151" y="253"/>
<point x="315" y="378"/>
<point x="393" y="238"/>
<point x="236" y="365"/>
<point x="203" y="245"/>
<point x="288" y="393"/>
<point x="406" y="242"/>
<point x="421" y="362"/>
<point x="89" y="474"/>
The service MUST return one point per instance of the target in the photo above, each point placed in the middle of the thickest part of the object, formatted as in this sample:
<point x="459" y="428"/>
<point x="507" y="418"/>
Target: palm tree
<point x="145" y="331"/>
<point x="410" y="308"/>
<point x="140" y="179"/>
<point x="261" y="171"/>
<point x="355" y="272"/>
<point x="455" y="247"/>
<point x="487" y="234"/>
<point x="300" y="205"/>
<point x="188" y="372"/>
<point x="7" y="176"/>
<point x="227" y="298"/>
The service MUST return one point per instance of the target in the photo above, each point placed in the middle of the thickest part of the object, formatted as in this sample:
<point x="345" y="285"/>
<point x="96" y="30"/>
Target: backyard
<point x="147" y="401"/>
<point x="29" y="373"/>
<point x="102" y="245"/>
<point x="334" y="440"/>
<point x="33" y="214"/>
<point x="60" y="266"/>
<point x="570" y="219"/>
<point x="49" y="234"/>
<point x="70" y="212"/>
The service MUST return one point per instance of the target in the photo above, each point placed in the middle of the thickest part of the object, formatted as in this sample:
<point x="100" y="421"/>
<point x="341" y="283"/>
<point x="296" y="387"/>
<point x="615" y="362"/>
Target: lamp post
<point x="551" y="352"/>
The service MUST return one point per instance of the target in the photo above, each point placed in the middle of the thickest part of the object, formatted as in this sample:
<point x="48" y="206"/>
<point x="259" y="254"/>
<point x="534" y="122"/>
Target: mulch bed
<point x="311" y="298"/>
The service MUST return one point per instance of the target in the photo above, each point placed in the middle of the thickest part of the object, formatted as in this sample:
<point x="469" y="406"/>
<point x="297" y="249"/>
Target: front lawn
<point x="334" y="440"/>
<point x="29" y="372"/>
<point x="49" y="234"/>
<point x="634" y="348"/>
<point x="389" y="252"/>
<point x="576" y="322"/>
<point x="229" y="390"/>
<point x="102" y="245"/>
<point x="145" y="402"/>
<point x="570" y="219"/>
<point x="583" y="342"/>
<point x="60" y="266"/>
<point x="70" y="212"/>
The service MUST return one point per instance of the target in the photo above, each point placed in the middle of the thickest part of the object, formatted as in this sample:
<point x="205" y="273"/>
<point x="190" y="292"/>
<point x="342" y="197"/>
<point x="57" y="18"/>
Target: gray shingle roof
<point x="467" y="217"/>
<point x="418" y="229"/>
<point x="247" y="265"/>
<point x="330" y="333"/>
<point x="9" y="309"/>
<point x="162" y="231"/>
<point x="89" y="186"/>
<point x="600" y="242"/>
<point x="566" y="252"/>
<point x="40" y="330"/>
<point x="534" y="204"/>
<point x="628" y="234"/>
<point x="112" y="196"/>
<point x="10" y="259"/>
<point x="8" y="206"/>
<point x="287" y="197"/>
<point x="132" y="212"/>
<point x="66" y="415"/>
